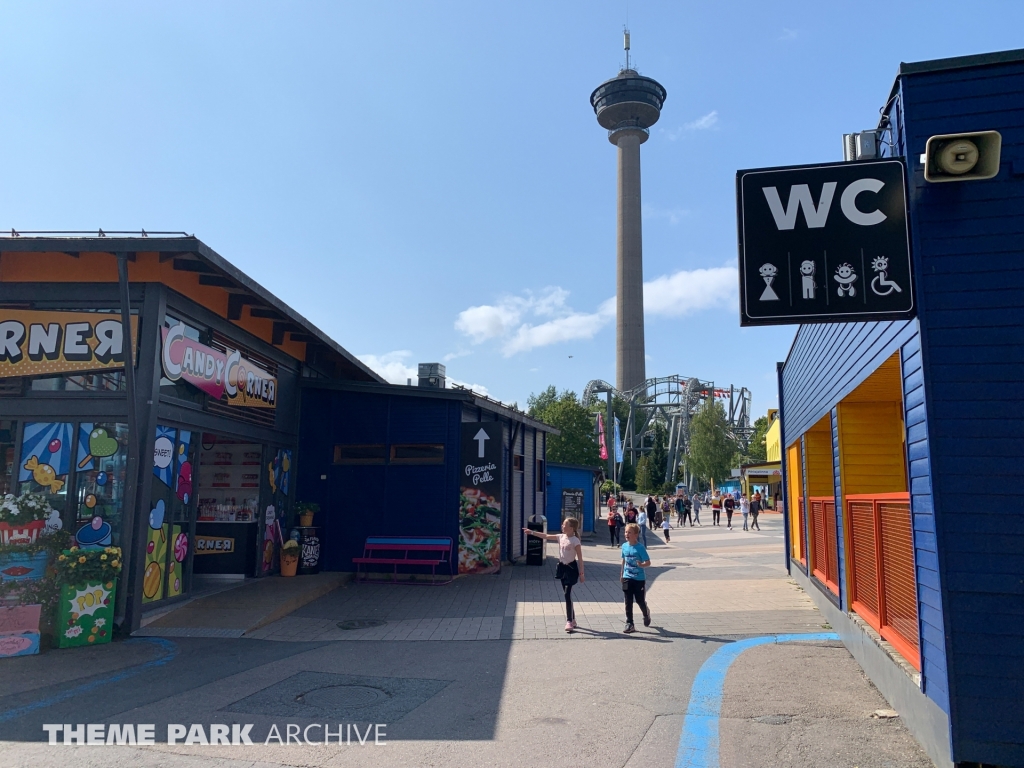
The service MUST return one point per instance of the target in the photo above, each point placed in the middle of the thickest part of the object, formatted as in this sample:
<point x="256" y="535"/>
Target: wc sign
<point x="824" y="244"/>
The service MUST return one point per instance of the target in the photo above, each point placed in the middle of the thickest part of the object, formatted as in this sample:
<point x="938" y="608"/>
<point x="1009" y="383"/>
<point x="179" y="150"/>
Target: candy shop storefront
<point x="186" y="461"/>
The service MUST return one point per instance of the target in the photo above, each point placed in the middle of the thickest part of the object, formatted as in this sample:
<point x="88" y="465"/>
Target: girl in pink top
<point x="570" y="562"/>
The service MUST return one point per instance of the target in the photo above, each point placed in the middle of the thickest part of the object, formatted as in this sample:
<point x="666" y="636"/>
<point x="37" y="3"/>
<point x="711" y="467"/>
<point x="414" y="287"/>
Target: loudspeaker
<point x="962" y="156"/>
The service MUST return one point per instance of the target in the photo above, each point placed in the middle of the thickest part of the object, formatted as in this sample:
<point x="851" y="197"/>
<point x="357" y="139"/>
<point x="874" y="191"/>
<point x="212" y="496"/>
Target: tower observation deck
<point x="627" y="106"/>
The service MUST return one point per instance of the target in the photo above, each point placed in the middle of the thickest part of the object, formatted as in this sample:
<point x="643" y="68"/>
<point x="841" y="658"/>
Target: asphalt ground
<point x="482" y="672"/>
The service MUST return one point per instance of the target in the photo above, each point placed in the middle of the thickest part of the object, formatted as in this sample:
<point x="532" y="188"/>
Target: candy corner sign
<point x="34" y="343"/>
<point x="216" y="373"/>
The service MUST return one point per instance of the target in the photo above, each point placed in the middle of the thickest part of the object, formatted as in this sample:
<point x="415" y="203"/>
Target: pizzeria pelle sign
<point x="217" y="373"/>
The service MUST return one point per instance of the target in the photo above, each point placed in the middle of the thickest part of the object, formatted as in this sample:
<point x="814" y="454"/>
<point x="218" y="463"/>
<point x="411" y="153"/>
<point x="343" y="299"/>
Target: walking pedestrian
<point x="631" y="513"/>
<point x="730" y="506"/>
<point x="745" y="510"/>
<point x="716" y="509"/>
<point x="652" y="509"/>
<point x="696" y="511"/>
<point x="570" y="562"/>
<point x="619" y="525"/>
<point x="643" y="522"/>
<point x="679" y="508"/>
<point x="755" y="510"/>
<point x="634" y="580"/>
<point x="665" y="526"/>
<point x="687" y="505"/>
<point x="612" y="512"/>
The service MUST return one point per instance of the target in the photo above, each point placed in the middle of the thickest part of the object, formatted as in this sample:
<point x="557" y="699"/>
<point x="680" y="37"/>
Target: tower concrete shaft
<point x="627" y="106"/>
<point x="630" y="359"/>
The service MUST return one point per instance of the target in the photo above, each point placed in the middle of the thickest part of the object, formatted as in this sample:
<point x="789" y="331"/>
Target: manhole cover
<point x="774" y="719"/>
<point x="361" y="623"/>
<point x="341" y="697"/>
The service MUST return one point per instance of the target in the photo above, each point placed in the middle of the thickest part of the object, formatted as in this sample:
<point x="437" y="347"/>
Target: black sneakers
<point x="647" y="619"/>
<point x="630" y="629"/>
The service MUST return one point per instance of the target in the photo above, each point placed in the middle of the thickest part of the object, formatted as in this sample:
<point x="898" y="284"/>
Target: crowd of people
<point x="657" y="511"/>
<point x="633" y="522"/>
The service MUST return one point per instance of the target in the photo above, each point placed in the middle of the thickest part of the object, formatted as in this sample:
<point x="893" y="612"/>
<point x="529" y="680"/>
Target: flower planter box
<point x="21" y="533"/>
<point x="19" y="630"/>
<point x="17" y="566"/>
<point x="85" y="614"/>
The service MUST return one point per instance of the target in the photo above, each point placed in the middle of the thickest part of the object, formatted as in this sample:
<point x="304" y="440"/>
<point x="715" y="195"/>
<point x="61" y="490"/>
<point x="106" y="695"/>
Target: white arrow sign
<point x="480" y="437"/>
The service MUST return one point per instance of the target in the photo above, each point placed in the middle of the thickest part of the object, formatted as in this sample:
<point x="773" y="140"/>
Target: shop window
<point x="45" y="461"/>
<point x="417" y="454"/>
<point x="106" y="381"/>
<point x="541" y="476"/>
<point x="171" y="492"/>
<point x="359" y="454"/>
<point x="518" y="462"/>
<point x="8" y="431"/>
<point x="101" y="462"/>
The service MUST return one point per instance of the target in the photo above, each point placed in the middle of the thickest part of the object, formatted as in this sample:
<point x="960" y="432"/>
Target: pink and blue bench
<point x="407" y="551"/>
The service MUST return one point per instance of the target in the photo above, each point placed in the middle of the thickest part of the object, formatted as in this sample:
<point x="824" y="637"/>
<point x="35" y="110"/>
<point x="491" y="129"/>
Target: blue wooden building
<point x="903" y="440"/>
<point x="383" y="460"/>
<point x="572" y="487"/>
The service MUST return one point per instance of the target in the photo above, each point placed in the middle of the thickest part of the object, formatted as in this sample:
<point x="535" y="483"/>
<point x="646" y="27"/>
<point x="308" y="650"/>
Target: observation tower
<point x="627" y="106"/>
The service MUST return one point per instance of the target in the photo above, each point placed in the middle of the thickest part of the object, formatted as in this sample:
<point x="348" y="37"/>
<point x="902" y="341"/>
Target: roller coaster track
<point x="671" y="401"/>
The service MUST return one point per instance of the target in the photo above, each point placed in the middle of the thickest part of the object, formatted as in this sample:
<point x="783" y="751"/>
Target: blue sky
<point x="427" y="181"/>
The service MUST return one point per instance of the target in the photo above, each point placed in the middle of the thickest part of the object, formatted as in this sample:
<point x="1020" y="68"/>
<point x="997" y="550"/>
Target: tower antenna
<point x="625" y="43"/>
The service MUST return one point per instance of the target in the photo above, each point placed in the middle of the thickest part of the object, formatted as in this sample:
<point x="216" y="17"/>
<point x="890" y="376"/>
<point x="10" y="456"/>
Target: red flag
<point x="600" y="437"/>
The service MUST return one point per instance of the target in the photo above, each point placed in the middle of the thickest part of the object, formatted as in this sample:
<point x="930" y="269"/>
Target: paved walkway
<point x="706" y="582"/>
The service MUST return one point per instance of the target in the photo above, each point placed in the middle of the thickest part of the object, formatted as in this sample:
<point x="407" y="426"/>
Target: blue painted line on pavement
<point x="698" y="744"/>
<point x="171" y="650"/>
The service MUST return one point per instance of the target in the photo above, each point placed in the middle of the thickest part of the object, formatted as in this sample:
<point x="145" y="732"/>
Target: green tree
<point x="644" y="479"/>
<point x="712" y="448"/>
<point x="658" y="456"/>
<point x="577" y="442"/>
<point x="757" y="450"/>
<point x="535" y="404"/>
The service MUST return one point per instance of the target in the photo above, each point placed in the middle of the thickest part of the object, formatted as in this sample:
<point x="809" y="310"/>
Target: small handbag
<point x="560" y="570"/>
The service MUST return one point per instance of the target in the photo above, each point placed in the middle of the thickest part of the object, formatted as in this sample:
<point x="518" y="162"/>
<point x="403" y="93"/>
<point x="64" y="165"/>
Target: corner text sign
<point x="824" y="244"/>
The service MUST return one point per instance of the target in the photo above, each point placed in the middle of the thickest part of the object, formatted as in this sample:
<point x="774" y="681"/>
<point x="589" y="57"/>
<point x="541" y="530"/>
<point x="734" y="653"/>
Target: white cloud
<point x="573" y="325"/>
<point x="704" y="122"/>
<point x="455" y="355"/>
<point x="394" y="368"/>
<point x="688" y="291"/>
<point x="680" y="293"/>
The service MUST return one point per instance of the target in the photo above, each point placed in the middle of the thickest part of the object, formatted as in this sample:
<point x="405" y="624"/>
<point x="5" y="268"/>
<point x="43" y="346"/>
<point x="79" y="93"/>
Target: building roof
<point x="458" y="393"/>
<point x="956" y="62"/>
<point x="183" y="253"/>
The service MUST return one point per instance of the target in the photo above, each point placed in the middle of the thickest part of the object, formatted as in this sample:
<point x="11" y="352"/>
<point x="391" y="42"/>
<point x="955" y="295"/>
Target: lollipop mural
<point x="95" y="534"/>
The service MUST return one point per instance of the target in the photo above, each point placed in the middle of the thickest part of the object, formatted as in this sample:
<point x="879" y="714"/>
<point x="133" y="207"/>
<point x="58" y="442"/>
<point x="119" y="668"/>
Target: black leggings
<point x="728" y="518"/>
<point x="716" y="516"/>
<point x="635" y="590"/>
<point x="753" y="523"/>
<point x="570" y="614"/>
<point x="684" y="517"/>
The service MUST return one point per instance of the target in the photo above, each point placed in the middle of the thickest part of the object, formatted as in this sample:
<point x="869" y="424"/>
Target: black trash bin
<point x="309" y="550"/>
<point x="535" y="553"/>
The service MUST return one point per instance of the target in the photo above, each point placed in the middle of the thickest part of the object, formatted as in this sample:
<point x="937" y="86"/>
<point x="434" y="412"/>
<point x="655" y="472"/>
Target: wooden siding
<point x="968" y="243"/>
<point x="853" y="352"/>
<point x="871" y="447"/>
<point x="794" y="471"/>
<point x="818" y="459"/>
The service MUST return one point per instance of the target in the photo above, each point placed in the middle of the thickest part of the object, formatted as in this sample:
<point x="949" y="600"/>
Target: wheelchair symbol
<point x="881" y="280"/>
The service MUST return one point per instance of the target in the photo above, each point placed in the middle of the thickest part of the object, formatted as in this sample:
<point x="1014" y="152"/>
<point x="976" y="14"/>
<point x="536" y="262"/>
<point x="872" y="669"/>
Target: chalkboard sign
<point x="572" y="503"/>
